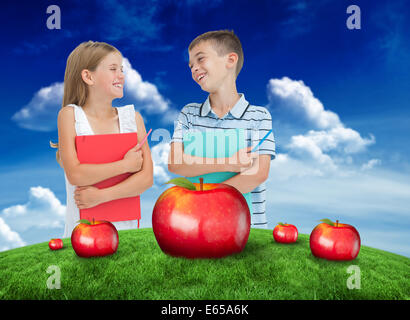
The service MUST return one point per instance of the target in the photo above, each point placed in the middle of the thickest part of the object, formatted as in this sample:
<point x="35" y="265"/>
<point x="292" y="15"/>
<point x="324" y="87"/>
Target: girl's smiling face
<point x="109" y="76"/>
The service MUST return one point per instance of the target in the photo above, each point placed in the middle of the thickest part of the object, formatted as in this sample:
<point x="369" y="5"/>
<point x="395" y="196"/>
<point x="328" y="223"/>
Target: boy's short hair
<point x="225" y="41"/>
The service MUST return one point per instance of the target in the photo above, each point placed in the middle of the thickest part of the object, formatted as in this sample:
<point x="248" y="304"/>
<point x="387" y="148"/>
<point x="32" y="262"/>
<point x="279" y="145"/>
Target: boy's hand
<point x="133" y="160"/>
<point x="87" y="197"/>
<point x="242" y="159"/>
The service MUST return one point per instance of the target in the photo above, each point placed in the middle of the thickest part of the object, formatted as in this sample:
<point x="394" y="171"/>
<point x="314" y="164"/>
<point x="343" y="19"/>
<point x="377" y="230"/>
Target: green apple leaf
<point x="281" y="224"/>
<point x="84" y="221"/>
<point x="182" y="182"/>
<point x="328" y="221"/>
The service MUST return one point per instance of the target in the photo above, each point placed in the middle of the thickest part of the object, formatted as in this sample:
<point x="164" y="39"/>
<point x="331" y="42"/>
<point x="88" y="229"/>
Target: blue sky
<point x="339" y="99"/>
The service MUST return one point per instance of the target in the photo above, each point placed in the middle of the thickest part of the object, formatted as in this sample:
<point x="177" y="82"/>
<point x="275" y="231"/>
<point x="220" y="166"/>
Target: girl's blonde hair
<point x="87" y="55"/>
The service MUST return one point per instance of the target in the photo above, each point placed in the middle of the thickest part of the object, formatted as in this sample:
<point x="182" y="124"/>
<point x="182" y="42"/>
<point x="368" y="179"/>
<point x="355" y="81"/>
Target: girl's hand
<point x="242" y="160"/>
<point x="87" y="197"/>
<point x="133" y="160"/>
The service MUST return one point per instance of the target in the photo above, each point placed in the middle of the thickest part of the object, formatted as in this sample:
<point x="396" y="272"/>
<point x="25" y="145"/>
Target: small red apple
<point x="285" y="233"/>
<point x="205" y="220"/>
<point x="94" y="239"/>
<point x="55" y="244"/>
<point x="335" y="241"/>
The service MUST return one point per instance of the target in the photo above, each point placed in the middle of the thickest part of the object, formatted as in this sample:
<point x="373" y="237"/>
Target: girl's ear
<point x="87" y="77"/>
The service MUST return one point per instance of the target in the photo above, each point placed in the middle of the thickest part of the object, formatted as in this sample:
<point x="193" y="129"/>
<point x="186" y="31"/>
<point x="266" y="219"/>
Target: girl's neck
<point x="98" y="108"/>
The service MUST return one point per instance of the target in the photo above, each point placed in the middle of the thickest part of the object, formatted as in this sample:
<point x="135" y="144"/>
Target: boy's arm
<point x="259" y="172"/>
<point x="185" y="164"/>
<point x="81" y="174"/>
<point x="190" y="166"/>
<point x="249" y="179"/>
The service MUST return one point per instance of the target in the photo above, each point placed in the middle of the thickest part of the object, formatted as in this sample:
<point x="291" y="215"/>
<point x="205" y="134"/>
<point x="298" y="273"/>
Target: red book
<point x="105" y="148"/>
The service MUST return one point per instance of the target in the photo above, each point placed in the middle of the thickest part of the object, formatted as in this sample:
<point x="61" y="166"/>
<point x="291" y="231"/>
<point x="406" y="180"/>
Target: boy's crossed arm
<point x="249" y="179"/>
<point x="190" y="166"/>
<point x="253" y="169"/>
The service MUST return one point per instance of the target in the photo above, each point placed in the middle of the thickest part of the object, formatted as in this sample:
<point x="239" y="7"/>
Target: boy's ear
<point x="232" y="60"/>
<point x="87" y="77"/>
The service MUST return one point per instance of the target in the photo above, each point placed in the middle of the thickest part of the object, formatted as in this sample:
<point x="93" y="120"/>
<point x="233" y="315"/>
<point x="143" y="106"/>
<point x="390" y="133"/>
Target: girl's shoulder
<point x="130" y="112"/>
<point x="127" y="108"/>
<point x="71" y="107"/>
<point x="66" y="121"/>
<point x="129" y="118"/>
<point x="71" y="116"/>
<point x="66" y="113"/>
<point x="70" y="112"/>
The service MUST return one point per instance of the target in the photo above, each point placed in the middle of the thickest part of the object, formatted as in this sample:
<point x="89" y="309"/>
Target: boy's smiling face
<point x="208" y="68"/>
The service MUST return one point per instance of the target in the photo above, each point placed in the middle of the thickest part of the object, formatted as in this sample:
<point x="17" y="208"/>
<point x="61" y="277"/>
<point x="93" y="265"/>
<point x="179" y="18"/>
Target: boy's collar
<point x="237" y="111"/>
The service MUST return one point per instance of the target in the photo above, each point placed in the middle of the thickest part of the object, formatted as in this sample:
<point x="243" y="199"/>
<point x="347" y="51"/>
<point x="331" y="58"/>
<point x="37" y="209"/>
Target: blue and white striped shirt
<point x="257" y="121"/>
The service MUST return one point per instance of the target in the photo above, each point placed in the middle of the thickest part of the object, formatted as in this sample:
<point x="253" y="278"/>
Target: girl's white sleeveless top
<point x="126" y="115"/>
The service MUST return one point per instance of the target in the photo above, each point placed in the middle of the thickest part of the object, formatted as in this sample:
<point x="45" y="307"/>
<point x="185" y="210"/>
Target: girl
<point x="93" y="78"/>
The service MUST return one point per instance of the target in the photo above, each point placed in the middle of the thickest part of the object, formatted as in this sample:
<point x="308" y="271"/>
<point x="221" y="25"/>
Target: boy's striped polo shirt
<point x="255" y="119"/>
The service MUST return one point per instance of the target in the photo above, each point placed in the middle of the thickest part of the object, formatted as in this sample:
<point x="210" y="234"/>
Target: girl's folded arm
<point x="138" y="182"/>
<point x="80" y="174"/>
<point x="134" y="185"/>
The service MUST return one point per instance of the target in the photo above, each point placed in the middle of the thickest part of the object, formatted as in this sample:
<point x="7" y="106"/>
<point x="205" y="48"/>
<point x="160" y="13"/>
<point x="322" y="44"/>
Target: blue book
<point x="216" y="144"/>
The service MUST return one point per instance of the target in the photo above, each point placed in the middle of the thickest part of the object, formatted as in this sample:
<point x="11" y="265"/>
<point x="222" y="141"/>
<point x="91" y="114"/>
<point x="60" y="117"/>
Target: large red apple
<point x="206" y="220"/>
<point x="335" y="241"/>
<point x="55" y="244"/>
<point x="285" y="233"/>
<point x="94" y="239"/>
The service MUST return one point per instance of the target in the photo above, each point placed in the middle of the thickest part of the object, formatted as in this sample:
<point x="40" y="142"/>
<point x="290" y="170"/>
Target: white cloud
<point x="284" y="167"/>
<point x="346" y="139"/>
<point x="33" y="221"/>
<point x="144" y="93"/>
<point x="301" y="145"/>
<point x="160" y="159"/>
<point x="43" y="210"/>
<point x="329" y="142"/>
<point x="40" y="114"/>
<point x="325" y="170"/>
<point x="301" y="100"/>
<point x="370" y="164"/>
<point x="378" y="196"/>
<point x="9" y="239"/>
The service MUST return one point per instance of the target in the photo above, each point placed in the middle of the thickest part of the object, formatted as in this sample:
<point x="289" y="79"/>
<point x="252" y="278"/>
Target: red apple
<point x="285" y="233"/>
<point x="55" y="244"/>
<point x="194" y="220"/>
<point x="93" y="239"/>
<point x="335" y="241"/>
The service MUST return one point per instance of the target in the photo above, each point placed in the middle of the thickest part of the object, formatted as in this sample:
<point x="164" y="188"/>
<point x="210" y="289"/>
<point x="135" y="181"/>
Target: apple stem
<point x="201" y="183"/>
<point x="93" y="220"/>
<point x="337" y="223"/>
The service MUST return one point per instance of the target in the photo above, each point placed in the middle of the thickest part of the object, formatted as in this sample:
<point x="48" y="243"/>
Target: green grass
<point x="140" y="270"/>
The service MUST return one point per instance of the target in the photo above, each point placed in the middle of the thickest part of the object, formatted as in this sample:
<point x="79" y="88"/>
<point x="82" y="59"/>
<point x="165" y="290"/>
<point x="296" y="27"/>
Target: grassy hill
<point x="140" y="270"/>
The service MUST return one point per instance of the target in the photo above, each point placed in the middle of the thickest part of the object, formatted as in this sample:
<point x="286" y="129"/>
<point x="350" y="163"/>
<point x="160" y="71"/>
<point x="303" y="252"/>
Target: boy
<point x="215" y="60"/>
